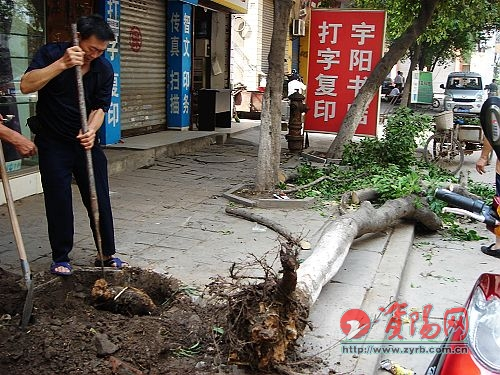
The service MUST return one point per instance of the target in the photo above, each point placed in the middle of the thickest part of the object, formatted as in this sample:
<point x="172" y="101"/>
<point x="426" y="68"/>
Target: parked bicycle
<point x="452" y="139"/>
<point x="436" y="101"/>
<point x="443" y="148"/>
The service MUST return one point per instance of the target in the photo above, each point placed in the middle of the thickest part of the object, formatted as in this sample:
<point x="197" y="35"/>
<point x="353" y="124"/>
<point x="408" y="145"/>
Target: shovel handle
<point x="94" y="206"/>
<point x="79" y="82"/>
<point x="28" y="303"/>
<point x="12" y="211"/>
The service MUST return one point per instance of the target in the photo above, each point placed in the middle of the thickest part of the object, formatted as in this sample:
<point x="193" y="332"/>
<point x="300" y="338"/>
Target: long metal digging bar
<point x="94" y="207"/>
<point x="28" y="303"/>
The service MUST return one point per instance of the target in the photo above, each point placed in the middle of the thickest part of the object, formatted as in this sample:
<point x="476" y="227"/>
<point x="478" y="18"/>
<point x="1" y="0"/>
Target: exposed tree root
<point x="122" y="300"/>
<point x="265" y="319"/>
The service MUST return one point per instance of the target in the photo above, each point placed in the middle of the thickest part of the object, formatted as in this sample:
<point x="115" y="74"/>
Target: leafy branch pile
<point x="390" y="166"/>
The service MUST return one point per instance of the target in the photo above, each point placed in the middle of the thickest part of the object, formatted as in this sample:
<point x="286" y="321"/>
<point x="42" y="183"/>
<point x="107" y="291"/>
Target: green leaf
<point x="218" y="330"/>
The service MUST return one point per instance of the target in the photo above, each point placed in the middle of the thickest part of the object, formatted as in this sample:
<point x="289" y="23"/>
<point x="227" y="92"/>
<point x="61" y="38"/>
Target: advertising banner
<point x="179" y="46"/>
<point x="344" y="47"/>
<point x="110" y="132"/>
<point x="421" y="87"/>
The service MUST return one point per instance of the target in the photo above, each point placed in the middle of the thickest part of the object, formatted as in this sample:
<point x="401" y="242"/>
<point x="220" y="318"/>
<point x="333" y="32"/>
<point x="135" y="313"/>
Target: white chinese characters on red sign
<point x="344" y="47"/>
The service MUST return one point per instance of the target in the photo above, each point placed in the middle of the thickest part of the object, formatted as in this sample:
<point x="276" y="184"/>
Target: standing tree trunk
<point x="415" y="58"/>
<point x="270" y="129"/>
<point x="383" y="67"/>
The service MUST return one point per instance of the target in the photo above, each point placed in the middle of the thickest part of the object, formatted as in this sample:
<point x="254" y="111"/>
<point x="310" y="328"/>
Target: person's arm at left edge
<point x="23" y="145"/>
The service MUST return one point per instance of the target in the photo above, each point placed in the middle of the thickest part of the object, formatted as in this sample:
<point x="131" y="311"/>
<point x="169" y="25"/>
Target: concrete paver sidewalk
<point x="168" y="217"/>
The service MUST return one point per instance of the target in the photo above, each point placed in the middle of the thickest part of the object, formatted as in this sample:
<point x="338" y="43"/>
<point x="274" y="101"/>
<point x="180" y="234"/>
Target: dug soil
<point x="67" y="334"/>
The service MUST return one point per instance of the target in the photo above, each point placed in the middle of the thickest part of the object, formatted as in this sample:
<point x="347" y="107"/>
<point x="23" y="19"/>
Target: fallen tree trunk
<point x="333" y="246"/>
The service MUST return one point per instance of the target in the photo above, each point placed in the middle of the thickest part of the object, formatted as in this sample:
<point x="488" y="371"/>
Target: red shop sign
<point x="344" y="47"/>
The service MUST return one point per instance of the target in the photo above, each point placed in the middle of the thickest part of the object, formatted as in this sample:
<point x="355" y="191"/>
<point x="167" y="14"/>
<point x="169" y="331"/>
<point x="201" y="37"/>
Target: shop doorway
<point x="60" y="16"/>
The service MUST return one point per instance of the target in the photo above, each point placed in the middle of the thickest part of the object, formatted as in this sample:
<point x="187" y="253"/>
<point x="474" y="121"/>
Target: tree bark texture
<point x="270" y="129"/>
<point x="383" y="67"/>
<point x="415" y="57"/>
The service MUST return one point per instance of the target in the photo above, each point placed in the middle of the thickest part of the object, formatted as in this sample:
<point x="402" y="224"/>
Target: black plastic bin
<point x="214" y="109"/>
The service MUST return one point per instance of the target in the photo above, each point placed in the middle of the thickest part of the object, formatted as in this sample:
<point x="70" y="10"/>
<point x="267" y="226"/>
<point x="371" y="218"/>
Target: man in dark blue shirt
<point x="60" y="141"/>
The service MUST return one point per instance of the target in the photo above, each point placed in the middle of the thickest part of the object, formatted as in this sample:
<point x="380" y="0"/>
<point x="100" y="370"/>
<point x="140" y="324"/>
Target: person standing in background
<point x="492" y="88"/>
<point x="399" y="81"/>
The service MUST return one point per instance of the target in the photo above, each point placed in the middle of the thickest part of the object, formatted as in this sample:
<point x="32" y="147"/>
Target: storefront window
<point x="22" y="26"/>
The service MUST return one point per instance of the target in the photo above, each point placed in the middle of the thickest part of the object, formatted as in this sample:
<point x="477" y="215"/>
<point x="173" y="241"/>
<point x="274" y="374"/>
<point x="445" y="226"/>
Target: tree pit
<point x="67" y="334"/>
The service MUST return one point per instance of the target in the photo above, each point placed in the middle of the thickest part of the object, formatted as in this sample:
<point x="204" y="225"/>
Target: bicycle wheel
<point x="445" y="152"/>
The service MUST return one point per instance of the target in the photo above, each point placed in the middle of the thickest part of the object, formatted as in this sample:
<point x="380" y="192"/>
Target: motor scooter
<point x="472" y="345"/>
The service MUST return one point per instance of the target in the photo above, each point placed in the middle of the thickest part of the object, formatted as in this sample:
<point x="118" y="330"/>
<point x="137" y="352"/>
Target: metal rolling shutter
<point x="267" y="32"/>
<point x="143" y="72"/>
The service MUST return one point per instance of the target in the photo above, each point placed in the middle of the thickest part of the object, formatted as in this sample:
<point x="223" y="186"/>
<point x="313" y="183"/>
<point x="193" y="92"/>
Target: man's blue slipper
<point x="112" y="263"/>
<point x="55" y="265"/>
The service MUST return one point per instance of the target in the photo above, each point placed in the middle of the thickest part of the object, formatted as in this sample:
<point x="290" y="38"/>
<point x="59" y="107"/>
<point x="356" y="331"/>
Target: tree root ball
<point x="272" y="335"/>
<point x="264" y="326"/>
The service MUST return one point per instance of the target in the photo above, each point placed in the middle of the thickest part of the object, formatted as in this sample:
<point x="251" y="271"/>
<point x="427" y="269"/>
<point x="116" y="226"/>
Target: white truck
<point x="464" y="93"/>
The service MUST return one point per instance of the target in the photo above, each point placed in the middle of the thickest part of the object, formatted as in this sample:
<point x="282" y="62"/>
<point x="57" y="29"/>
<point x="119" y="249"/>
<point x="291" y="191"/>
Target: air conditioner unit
<point x="299" y="28"/>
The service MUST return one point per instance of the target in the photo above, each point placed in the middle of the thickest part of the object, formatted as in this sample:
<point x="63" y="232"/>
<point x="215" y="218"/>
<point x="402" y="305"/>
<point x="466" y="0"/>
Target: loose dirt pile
<point x="68" y="335"/>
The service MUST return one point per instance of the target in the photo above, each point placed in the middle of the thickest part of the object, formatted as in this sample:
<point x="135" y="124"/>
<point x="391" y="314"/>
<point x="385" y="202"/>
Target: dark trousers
<point x="59" y="162"/>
